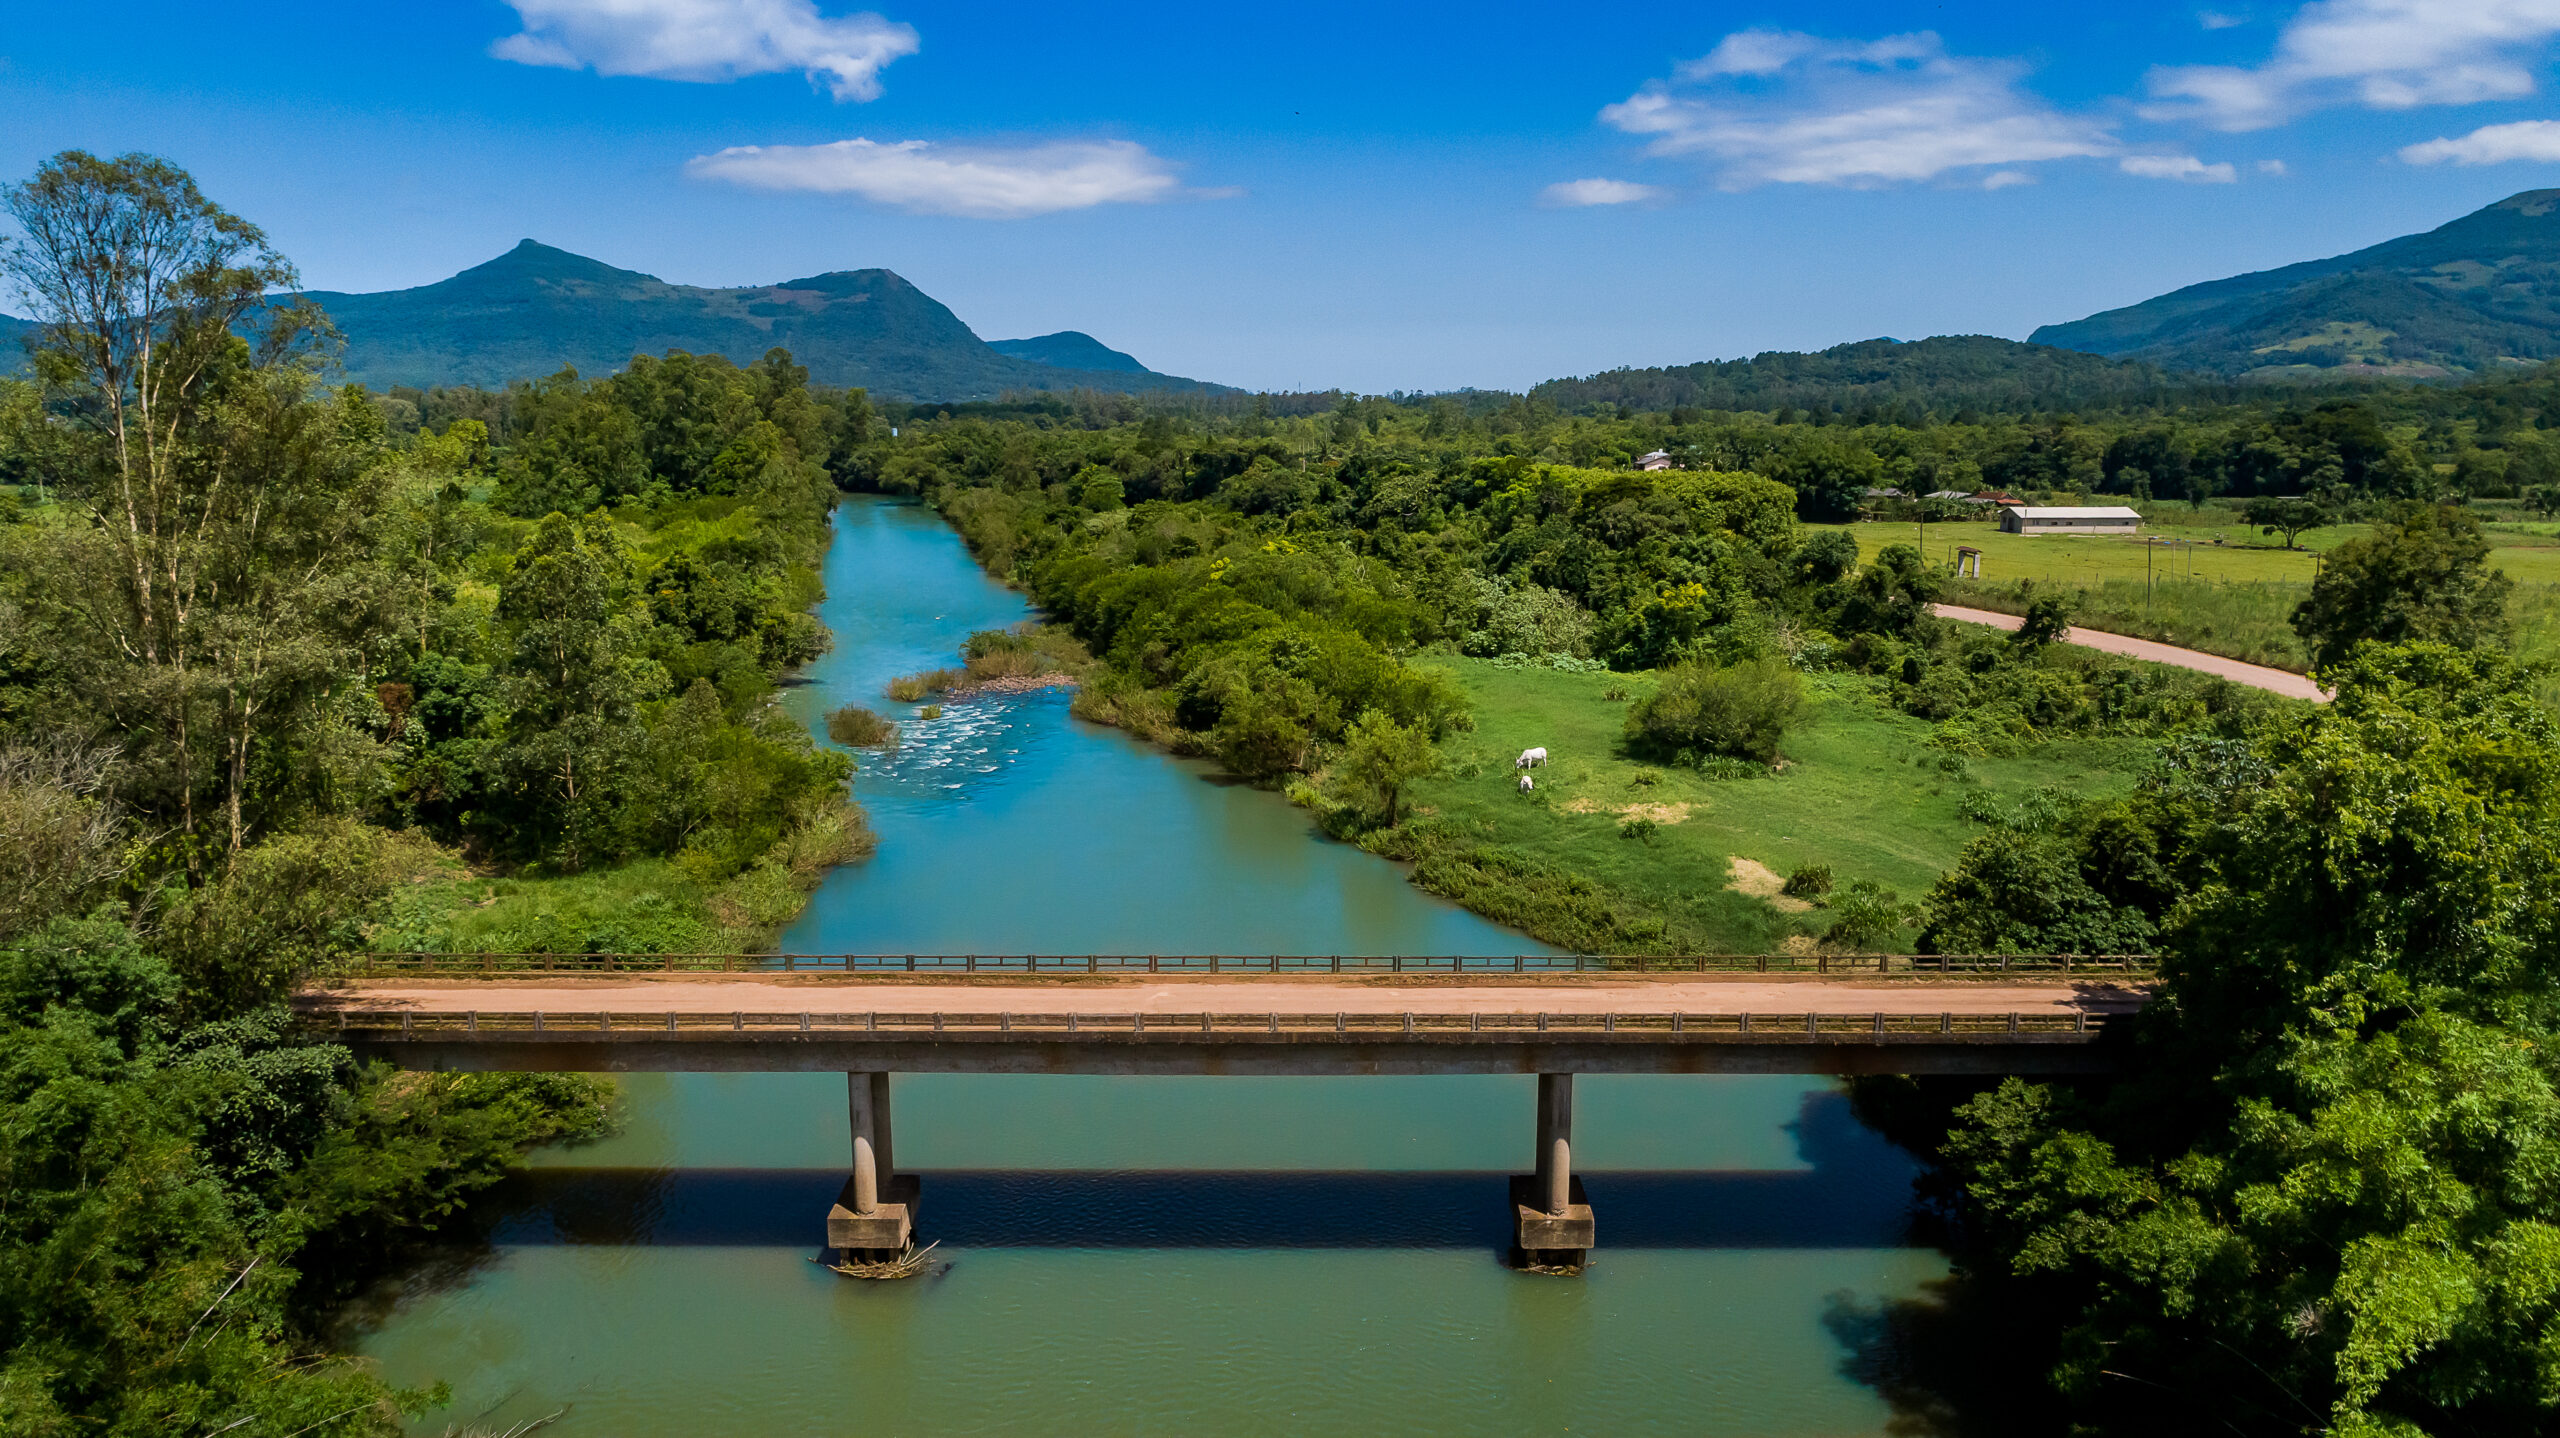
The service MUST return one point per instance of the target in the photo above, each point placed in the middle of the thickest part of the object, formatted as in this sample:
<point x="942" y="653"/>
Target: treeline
<point x="1946" y="375"/>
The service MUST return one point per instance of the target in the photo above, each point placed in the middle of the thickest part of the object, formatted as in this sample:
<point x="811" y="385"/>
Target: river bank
<point x="1151" y="1255"/>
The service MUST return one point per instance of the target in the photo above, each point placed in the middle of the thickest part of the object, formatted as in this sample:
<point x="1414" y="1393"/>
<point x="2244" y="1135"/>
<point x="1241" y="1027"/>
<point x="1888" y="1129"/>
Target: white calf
<point x="1530" y="759"/>
<point x="1527" y="783"/>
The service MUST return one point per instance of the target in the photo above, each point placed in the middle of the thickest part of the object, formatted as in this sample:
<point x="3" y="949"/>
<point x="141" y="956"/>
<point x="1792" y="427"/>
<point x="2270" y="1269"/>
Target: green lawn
<point x="1861" y="793"/>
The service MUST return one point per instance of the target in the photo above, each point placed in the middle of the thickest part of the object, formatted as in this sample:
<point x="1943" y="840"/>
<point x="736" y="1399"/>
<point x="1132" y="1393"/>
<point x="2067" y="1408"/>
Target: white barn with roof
<point x="2090" y="519"/>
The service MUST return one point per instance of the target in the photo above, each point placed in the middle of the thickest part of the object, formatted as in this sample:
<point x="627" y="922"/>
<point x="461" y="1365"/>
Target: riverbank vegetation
<point x="286" y="670"/>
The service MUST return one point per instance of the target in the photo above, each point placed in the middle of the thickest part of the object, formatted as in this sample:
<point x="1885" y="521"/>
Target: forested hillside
<point x="2470" y="296"/>
<point x="1070" y="349"/>
<point x="1947" y="375"/>
<point x="534" y="310"/>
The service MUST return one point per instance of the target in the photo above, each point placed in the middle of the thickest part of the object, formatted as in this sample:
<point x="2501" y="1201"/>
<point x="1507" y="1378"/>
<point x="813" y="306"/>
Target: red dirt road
<point x="1684" y="994"/>
<point x="2256" y="676"/>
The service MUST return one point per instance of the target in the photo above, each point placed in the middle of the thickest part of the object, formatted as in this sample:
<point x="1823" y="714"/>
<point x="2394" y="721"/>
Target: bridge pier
<point x="873" y="1219"/>
<point x="1554" y="1214"/>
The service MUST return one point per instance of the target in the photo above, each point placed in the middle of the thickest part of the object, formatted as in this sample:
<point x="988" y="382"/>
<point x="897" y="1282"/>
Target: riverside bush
<point x="858" y="728"/>
<point x="1741" y="710"/>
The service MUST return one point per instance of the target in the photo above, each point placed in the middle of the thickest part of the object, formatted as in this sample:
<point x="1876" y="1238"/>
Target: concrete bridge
<point x="1284" y="1019"/>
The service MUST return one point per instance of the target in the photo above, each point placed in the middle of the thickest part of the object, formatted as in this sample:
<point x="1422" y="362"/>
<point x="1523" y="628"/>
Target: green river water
<point x="1153" y="1255"/>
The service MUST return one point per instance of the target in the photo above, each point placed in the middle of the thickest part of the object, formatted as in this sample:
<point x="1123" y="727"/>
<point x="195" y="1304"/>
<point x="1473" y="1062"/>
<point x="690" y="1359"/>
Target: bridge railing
<point x="448" y="1025"/>
<point x="388" y="964"/>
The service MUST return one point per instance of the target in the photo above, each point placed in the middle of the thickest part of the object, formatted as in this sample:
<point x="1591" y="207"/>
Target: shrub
<point x="1809" y="881"/>
<point x="1741" y="710"/>
<point x="930" y="711"/>
<point x="1639" y="828"/>
<point x="1868" y="915"/>
<point x="908" y="688"/>
<point x="858" y="728"/>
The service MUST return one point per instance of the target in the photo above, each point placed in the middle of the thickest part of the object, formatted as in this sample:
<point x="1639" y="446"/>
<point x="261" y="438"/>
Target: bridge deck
<point x="1269" y="1025"/>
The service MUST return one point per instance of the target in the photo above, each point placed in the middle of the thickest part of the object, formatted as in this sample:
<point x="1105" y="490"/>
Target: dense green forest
<point x="276" y="659"/>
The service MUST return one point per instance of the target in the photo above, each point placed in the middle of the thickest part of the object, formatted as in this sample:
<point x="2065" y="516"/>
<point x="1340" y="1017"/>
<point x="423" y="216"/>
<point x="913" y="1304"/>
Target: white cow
<point x="1527" y="783"/>
<point x="1530" y="758"/>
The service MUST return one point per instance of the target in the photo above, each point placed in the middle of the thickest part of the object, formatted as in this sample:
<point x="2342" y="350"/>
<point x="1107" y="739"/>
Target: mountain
<point x="533" y="309"/>
<point x="1948" y="373"/>
<point x="1069" y="349"/>
<point x="2481" y="292"/>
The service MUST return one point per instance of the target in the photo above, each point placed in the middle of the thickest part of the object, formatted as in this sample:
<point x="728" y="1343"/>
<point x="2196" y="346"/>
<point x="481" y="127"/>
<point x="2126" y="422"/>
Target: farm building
<point x="2102" y="519"/>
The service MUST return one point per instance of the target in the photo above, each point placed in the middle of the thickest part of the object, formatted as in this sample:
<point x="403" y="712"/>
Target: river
<point x="1152" y="1255"/>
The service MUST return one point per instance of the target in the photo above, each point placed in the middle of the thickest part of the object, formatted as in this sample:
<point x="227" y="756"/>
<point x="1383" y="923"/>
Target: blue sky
<point x="1374" y="196"/>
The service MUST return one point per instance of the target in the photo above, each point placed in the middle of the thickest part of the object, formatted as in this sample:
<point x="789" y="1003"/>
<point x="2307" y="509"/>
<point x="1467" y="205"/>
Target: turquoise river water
<point x="1152" y="1255"/>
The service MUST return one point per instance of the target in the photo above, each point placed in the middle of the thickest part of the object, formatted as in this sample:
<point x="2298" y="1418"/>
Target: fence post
<point x="788" y="961"/>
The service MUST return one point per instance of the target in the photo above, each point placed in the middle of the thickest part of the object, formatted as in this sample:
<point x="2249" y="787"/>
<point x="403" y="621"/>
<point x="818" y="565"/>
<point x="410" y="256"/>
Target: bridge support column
<point x="1554" y="1214"/>
<point x="873" y="1219"/>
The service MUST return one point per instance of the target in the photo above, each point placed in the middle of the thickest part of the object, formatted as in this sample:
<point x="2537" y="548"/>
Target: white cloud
<point x="2178" y="167"/>
<point x="2217" y="20"/>
<point x="2385" y="54"/>
<point x="2271" y="167"/>
<point x="708" y="40"/>
<point x="2491" y="145"/>
<point x="1574" y="194"/>
<point x="1776" y="106"/>
<point x="2004" y="179"/>
<point x="932" y="179"/>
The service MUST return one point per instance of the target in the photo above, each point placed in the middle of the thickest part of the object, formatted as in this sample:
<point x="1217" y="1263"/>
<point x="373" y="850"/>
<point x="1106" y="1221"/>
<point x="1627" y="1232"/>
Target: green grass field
<point x="2236" y="599"/>
<point x="2529" y="553"/>
<point x="650" y="906"/>
<point x="1861" y="793"/>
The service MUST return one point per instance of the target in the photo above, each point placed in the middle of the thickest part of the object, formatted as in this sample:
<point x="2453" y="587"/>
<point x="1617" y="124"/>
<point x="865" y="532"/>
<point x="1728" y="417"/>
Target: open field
<point x="1861" y="792"/>
<point x="2236" y="599"/>
<point x="2528" y="552"/>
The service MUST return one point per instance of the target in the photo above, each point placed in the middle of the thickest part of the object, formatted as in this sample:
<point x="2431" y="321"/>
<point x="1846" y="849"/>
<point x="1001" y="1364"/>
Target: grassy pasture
<point x="2236" y="599"/>
<point x="1860" y="792"/>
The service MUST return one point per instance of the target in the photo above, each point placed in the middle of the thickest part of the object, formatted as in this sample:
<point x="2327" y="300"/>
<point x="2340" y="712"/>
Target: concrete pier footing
<point x="1555" y="1227"/>
<point x="873" y="1218"/>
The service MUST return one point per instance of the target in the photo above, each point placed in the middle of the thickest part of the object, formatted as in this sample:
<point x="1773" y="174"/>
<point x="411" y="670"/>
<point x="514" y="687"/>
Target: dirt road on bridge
<point x="1625" y="994"/>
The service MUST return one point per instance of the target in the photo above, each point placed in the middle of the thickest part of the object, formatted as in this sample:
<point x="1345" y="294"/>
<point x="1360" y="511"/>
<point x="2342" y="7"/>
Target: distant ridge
<point x="535" y="308"/>
<point x="1069" y="349"/>
<point x="2475" y="294"/>
<point x="1948" y="373"/>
